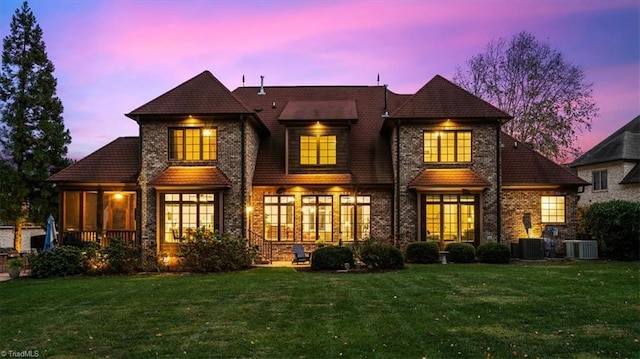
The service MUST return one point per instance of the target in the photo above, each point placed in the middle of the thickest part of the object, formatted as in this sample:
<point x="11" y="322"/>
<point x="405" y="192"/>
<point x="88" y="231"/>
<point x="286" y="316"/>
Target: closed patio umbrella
<point x="51" y="234"/>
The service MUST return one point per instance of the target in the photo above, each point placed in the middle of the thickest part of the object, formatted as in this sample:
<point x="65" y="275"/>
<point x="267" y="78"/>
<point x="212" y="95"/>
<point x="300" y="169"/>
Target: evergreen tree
<point x="33" y="138"/>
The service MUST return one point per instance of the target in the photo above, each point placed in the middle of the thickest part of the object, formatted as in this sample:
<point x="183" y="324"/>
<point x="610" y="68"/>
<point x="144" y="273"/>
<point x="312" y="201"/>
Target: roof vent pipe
<point x="385" y="112"/>
<point x="261" y="92"/>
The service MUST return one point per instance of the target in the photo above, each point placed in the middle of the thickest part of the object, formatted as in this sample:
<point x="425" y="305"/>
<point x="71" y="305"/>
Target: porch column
<point x="99" y="215"/>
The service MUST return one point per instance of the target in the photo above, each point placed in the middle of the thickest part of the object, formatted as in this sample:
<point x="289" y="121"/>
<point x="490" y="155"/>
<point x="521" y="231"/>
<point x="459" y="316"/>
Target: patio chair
<point x="299" y="255"/>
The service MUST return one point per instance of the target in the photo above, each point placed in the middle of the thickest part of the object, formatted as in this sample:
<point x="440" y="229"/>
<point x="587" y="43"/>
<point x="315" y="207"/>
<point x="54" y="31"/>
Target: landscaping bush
<point x="120" y="257"/>
<point x="616" y="226"/>
<point x="422" y="252"/>
<point x="208" y="251"/>
<point x="493" y="253"/>
<point x="331" y="258"/>
<point x="92" y="261"/>
<point x="57" y="262"/>
<point x="376" y="255"/>
<point x="461" y="252"/>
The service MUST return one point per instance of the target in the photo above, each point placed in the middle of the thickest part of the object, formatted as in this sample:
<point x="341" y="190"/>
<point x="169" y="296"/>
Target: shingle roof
<point x="633" y="176"/>
<point x="448" y="177"/>
<point x="191" y="176"/>
<point x="202" y="94"/>
<point x="336" y="110"/>
<point x="440" y="99"/>
<point x="117" y="162"/>
<point x="624" y="144"/>
<point x="522" y="165"/>
<point x="370" y="152"/>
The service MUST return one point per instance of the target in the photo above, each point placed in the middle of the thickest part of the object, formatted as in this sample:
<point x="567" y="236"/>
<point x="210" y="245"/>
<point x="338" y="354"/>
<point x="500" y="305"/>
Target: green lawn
<point x="552" y="310"/>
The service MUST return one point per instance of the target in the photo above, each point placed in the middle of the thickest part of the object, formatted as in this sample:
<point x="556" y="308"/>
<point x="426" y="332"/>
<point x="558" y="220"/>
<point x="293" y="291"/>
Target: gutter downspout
<point x="397" y="226"/>
<point x="243" y="185"/>
<point x="138" y="212"/>
<point x="498" y="183"/>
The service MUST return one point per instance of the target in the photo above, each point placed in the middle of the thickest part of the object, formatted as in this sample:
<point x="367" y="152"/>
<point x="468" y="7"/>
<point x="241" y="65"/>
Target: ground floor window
<point x="184" y="212"/>
<point x="355" y="217"/>
<point x="449" y="217"/>
<point x="279" y="216"/>
<point x="317" y="218"/>
<point x="553" y="209"/>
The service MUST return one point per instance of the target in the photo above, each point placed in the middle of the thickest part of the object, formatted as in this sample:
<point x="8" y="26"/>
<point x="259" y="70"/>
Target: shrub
<point x="92" y="258"/>
<point x="57" y="262"/>
<point x="461" y="252"/>
<point x="331" y="258"/>
<point x="15" y="263"/>
<point x="376" y="255"/>
<point x="422" y="252"/>
<point x="208" y="251"/>
<point x="493" y="253"/>
<point x="120" y="257"/>
<point x="616" y="226"/>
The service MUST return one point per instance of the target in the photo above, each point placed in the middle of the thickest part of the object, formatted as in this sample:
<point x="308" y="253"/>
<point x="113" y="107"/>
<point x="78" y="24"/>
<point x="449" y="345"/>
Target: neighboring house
<point x="612" y="167"/>
<point x="315" y="164"/>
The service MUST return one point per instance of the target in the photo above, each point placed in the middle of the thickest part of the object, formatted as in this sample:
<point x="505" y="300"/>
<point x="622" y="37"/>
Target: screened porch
<point x="98" y="216"/>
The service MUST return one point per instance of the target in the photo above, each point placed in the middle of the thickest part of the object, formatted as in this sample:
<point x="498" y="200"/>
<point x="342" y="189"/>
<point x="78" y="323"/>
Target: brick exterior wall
<point x="515" y="203"/>
<point x="412" y="163"/>
<point x="252" y="143"/>
<point x="616" y="171"/>
<point x="155" y="159"/>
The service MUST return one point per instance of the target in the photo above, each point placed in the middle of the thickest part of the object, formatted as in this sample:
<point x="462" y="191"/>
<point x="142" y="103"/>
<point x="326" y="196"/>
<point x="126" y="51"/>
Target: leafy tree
<point x="547" y="95"/>
<point x="616" y="226"/>
<point x="33" y="138"/>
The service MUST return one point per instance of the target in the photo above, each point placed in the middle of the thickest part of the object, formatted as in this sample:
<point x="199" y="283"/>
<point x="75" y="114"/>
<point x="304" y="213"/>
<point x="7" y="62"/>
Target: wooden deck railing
<point x="76" y="237"/>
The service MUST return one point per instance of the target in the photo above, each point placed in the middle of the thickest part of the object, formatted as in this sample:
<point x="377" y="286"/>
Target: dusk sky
<point x="113" y="56"/>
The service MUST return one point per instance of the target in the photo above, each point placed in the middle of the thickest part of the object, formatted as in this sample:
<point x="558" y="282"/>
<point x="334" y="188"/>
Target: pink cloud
<point x="114" y="56"/>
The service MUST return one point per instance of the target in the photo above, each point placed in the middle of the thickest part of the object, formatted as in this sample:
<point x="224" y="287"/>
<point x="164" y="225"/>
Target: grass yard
<point x="552" y="310"/>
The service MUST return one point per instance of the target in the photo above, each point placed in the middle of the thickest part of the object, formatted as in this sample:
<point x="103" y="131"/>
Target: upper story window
<point x="193" y="144"/>
<point x="600" y="180"/>
<point x="447" y="146"/>
<point x="318" y="150"/>
<point x="553" y="209"/>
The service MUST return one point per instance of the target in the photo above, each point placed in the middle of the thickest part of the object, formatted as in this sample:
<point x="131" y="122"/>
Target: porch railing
<point x="264" y="247"/>
<point x="77" y="237"/>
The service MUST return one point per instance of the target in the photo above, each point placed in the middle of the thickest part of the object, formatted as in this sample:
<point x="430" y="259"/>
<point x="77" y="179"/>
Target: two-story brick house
<point x="612" y="167"/>
<point x="314" y="164"/>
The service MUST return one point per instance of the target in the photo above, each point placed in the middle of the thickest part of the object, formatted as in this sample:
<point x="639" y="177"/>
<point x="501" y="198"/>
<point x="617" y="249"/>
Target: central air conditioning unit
<point x="587" y="249"/>
<point x="531" y="248"/>
<point x="581" y="249"/>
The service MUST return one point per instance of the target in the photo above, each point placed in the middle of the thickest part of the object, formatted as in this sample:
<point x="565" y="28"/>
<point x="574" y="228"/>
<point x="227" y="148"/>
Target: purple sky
<point x="113" y="56"/>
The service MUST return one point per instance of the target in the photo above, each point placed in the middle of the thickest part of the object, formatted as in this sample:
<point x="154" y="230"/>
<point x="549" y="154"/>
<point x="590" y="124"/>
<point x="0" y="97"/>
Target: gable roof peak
<point x="440" y="98"/>
<point x="623" y="144"/>
<point x="201" y="94"/>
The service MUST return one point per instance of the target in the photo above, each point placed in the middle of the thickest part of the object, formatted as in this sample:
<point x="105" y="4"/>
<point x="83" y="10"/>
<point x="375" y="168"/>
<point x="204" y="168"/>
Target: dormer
<point x="317" y="135"/>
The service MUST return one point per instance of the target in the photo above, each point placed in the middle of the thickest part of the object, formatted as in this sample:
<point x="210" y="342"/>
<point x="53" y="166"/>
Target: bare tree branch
<point x="547" y="96"/>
